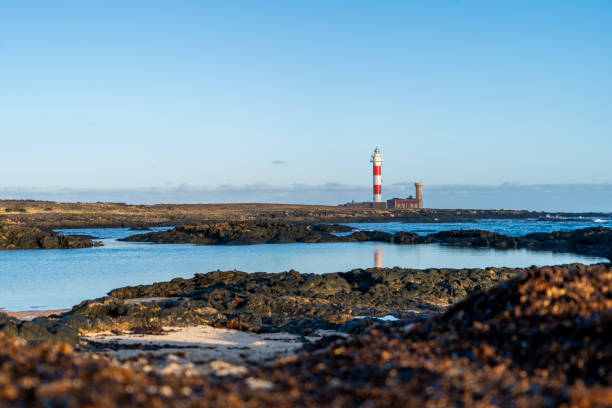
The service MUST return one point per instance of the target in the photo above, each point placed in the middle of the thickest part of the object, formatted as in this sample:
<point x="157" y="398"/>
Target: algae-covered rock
<point x="541" y="339"/>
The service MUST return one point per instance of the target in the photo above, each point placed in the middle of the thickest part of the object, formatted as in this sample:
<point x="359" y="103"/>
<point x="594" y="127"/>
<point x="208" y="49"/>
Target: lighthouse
<point x="376" y="161"/>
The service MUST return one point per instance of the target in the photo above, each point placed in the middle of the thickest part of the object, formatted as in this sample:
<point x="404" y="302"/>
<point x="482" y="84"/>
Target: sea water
<point x="508" y="227"/>
<point x="56" y="279"/>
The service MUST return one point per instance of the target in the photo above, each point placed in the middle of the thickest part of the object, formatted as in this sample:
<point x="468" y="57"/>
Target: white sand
<point x="199" y="350"/>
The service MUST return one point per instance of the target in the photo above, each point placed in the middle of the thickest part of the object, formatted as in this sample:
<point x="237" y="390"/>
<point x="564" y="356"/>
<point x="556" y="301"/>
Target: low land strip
<point x="55" y="215"/>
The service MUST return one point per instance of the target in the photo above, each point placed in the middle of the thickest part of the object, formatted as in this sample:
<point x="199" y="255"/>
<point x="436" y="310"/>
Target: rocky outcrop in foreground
<point x="538" y="340"/>
<point x="541" y="339"/>
<point x="589" y="241"/>
<point x="35" y="332"/>
<point x="265" y="302"/>
<point x="21" y="237"/>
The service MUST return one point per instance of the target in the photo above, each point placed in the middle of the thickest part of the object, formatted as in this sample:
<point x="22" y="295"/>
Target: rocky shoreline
<point x="596" y="241"/>
<point x="538" y="339"/>
<point x="265" y="302"/>
<point x="23" y="237"/>
<point x="458" y="337"/>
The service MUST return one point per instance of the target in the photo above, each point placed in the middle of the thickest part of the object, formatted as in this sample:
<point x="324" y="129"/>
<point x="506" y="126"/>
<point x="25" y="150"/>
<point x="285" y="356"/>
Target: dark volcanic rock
<point x="541" y="339"/>
<point x="480" y="238"/>
<point x="589" y="241"/>
<point x="37" y="331"/>
<point x="557" y="317"/>
<point x="236" y="233"/>
<point x="595" y="241"/>
<point x="332" y="228"/>
<point x="20" y="237"/>
<point x="265" y="232"/>
<point x="140" y="229"/>
<point x="289" y="301"/>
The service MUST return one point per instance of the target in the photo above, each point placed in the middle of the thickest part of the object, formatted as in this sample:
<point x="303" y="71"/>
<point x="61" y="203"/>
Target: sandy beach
<point x="199" y="350"/>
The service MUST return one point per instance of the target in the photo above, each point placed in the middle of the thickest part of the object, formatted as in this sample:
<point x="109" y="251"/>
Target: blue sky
<point x="110" y="95"/>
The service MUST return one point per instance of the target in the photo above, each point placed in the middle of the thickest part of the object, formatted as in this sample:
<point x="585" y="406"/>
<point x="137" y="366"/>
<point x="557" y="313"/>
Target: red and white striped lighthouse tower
<point x="376" y="161"/>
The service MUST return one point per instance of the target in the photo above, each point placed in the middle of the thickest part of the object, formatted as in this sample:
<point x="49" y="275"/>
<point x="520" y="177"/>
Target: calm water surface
<point x="55" y="279"/>
<point x="508" y="227"/>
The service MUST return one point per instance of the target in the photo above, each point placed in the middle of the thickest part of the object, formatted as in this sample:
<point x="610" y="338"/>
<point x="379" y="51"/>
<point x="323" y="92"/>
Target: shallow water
<point x="55" y="279"/>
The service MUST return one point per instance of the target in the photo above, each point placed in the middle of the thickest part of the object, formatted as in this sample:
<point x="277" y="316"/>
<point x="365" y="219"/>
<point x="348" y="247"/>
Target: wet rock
<point x="8" y="325"/>
<point x="265" y="232"/>
<point x="289" y="301"/>
<point x="479" y="238"/>
<point x="410" y="238"/>
<point x="37" y="331"/>
<point x="595" y="241"/>
<point x="589" y="241"/>
<point x="22" y="237"/>
<point x="236" y="233"/>
<point x="325" y="285"/>
<point x="331" y="228"/>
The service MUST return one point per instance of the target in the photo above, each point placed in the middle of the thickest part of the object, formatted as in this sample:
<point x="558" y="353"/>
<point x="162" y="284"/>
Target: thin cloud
<point x="279" y="162"/>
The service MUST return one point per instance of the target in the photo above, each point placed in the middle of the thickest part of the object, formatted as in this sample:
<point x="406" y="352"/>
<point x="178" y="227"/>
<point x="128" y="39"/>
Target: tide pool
<point x="56" y="279"/>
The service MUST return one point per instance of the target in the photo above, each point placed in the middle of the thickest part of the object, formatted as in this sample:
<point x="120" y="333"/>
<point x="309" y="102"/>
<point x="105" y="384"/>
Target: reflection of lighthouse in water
<point x="378" y="258"/>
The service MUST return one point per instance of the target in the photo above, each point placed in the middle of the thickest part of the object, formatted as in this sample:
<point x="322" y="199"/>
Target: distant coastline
<point x="50" y="214"/>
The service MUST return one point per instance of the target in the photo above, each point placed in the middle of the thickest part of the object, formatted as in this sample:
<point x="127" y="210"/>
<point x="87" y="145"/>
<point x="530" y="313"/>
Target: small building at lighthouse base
<point x="416" y="202"/>
<point x="403" y="203"/>
<point x="408" y="202"/>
